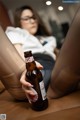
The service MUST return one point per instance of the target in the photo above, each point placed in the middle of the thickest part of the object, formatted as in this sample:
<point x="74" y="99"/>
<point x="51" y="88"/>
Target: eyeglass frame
<point x="28" y="19"/>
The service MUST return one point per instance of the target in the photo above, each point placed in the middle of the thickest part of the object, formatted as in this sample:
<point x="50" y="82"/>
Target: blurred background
<point x="56" y="14"/>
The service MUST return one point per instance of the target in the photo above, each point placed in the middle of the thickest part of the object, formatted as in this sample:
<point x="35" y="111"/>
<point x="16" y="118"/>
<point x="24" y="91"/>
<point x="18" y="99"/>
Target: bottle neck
<point x="30" y="63"/>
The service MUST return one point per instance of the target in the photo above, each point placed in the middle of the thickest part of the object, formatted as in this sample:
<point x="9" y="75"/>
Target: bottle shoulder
<point x="35" y="74"/>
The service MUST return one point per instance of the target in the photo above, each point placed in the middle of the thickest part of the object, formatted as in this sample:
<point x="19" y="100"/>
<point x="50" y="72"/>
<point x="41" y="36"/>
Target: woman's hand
<point x="26" y="86"/>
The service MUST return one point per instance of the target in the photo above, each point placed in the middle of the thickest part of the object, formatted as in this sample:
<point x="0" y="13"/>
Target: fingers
<point x="23" y="80"/>
<point x="27" y="90"/>
<point x="39" y="65"/>
<point x="27" y="87"/>
<point x="31" y="94"/>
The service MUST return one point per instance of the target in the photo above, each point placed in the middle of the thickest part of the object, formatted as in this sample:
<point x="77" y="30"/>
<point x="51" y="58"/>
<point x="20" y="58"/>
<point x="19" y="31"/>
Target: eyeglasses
<point x="28" y="19"/>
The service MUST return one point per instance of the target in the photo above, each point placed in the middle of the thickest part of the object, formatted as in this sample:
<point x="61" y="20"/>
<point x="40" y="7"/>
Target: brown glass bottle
<point x="34" y="76"/>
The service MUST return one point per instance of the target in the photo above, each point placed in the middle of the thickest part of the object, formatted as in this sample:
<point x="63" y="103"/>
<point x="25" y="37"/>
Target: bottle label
<point x="29" y="59"/>
<point x="43" y="91"/>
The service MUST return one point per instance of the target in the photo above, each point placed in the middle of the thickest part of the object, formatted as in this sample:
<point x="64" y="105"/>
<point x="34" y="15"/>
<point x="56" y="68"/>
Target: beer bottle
<point x="39" y="101"/>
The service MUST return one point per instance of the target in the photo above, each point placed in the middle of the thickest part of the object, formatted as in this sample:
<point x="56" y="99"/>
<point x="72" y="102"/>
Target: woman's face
<point x="29" y="22"/>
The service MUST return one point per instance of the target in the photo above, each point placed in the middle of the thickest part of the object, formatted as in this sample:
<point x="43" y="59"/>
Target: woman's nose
<point x="32" y="20"/>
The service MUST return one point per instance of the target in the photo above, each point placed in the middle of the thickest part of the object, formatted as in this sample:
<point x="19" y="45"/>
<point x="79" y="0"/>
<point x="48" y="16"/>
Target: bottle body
<point x="39" y="101"/>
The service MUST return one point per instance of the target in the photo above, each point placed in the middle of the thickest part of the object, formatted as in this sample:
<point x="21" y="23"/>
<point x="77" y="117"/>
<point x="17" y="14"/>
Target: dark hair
<point x="42" y="30"/>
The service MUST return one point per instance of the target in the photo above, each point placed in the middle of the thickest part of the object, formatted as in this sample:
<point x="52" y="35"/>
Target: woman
<point x="31" y="34"/>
